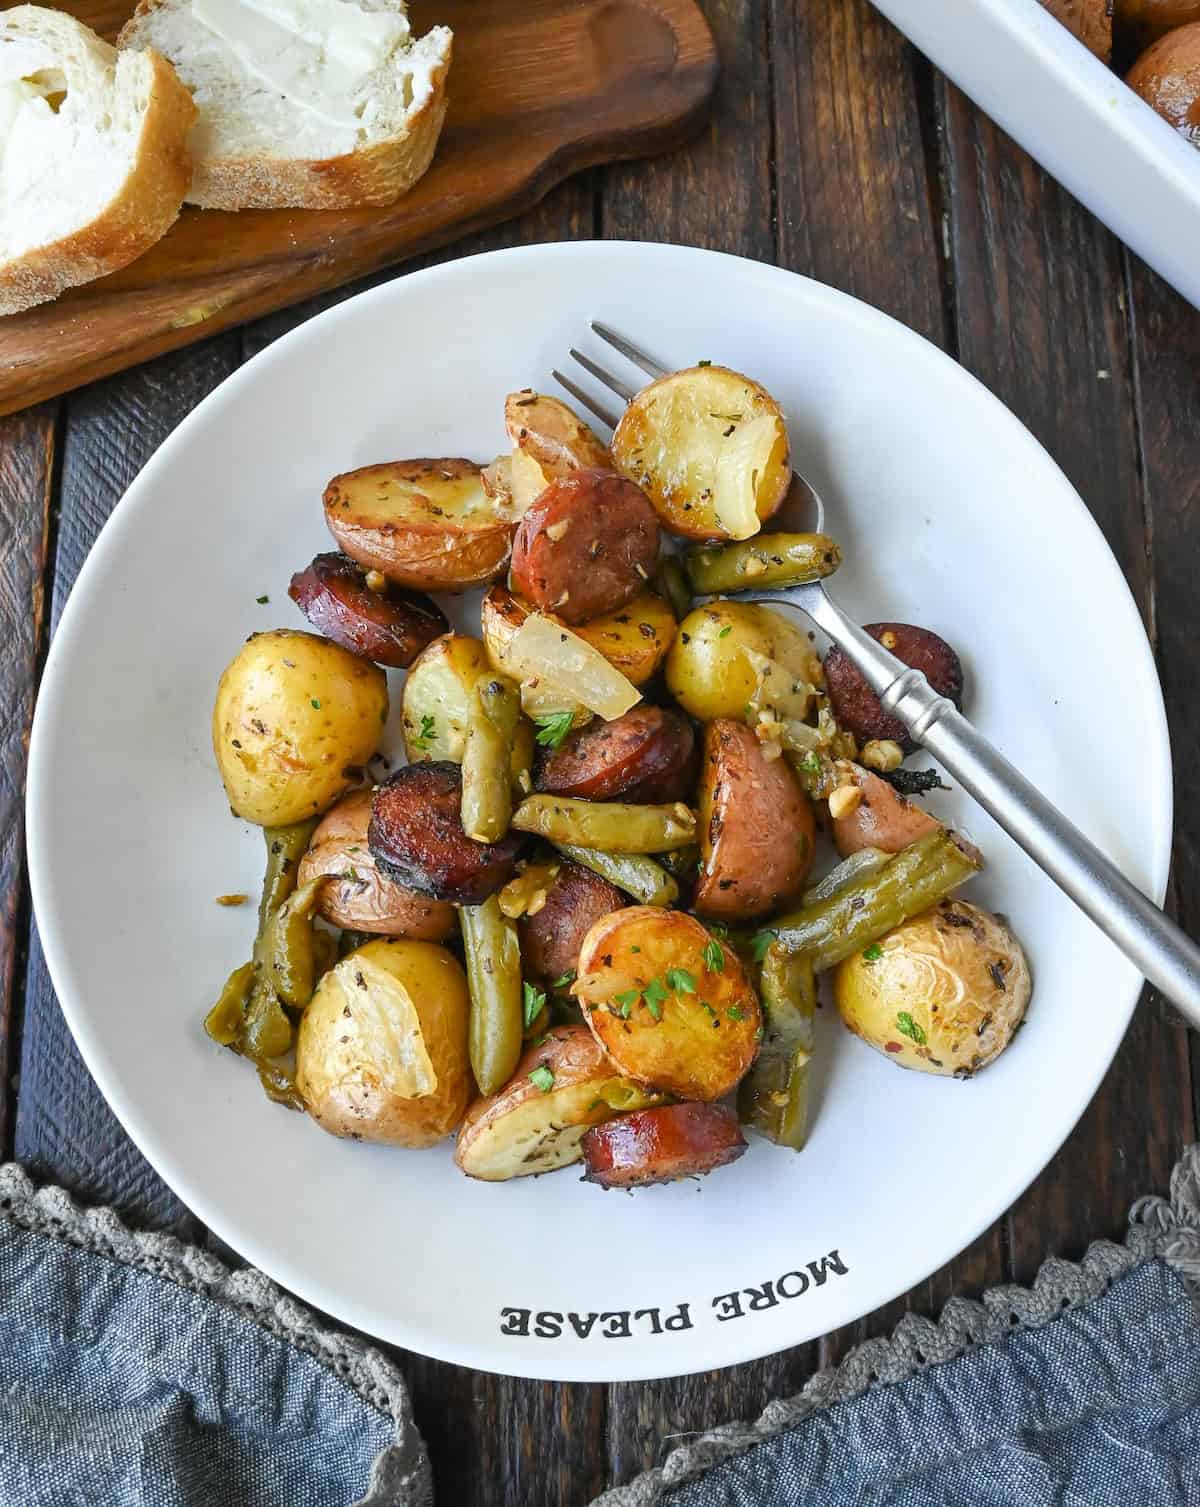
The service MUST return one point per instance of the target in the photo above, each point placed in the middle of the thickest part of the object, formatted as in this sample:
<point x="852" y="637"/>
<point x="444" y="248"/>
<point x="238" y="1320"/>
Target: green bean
<point x="268" y="1031"/>
<point x="866" y="861"/>
<point x="684" y="863"/>
<point x="289" y="950"/>
<point x="493" y="708"/>
<point x="493" y="956"/>
<point x="286" y="846"/>
<point x="227" y="1018"/>
<point x="773" y="1097"/>
<point x="279" y="1085"/>
<point x="874" y="904"/>
<point x="672" y="584"/>
<point x="765" y="560"/>
<point x="607" y="826"/>
<point x="637" y="876"/>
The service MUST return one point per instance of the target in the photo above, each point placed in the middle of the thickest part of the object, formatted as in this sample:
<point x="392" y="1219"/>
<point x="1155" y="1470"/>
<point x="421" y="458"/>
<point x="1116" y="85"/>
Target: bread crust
<point x="373" y="175"/>
<point x="139" y="214"/>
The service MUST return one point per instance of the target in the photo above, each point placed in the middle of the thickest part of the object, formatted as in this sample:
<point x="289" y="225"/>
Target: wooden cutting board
<point x="538" y="90"/>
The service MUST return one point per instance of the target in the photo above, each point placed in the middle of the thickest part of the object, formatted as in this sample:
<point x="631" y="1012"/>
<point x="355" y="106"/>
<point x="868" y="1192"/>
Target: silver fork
<point x="1165" y="955"/>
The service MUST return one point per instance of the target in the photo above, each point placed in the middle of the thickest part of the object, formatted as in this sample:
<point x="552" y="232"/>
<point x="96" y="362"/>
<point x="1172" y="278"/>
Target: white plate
<point x="1075" y="115"/>
<point x="950" y="515"/>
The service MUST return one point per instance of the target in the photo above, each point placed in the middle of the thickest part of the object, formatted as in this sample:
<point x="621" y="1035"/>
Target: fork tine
<point x="594" y="408"/>
<point x="605" y="378"/>
<point x="630" y="351"/>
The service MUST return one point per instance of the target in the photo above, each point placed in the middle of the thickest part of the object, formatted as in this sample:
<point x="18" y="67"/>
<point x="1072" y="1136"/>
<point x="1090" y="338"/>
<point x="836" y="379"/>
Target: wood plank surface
<point x="26" y="472"/>
<point x="537" y="91"/>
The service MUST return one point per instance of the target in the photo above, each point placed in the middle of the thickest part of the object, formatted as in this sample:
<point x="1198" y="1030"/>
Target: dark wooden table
<point x="837" y="151"/>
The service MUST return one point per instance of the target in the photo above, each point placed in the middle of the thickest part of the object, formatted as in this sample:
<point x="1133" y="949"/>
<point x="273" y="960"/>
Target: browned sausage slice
<point x="645" y="756"/>
<point x="586" y="546"/>
<point x="416" y="837"/>
<point x="756" y="827"/>
<point x="855" y="704"/>
<point x="390" y="626"/>
<point x="661" y="1145"/>
<point x="551" y="938"/>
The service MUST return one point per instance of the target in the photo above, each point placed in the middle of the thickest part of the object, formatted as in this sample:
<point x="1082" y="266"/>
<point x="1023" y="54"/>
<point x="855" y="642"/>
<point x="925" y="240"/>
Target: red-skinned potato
<point x="1167" y="76"/>
<point x="662" y="1145"/>
<point x="355" y="895"/>
<point x="669" y="1002"/>
<point x="757" y="829"/>
<point x="562" y="1086"/>
<point x="390" y="626"/>
<point x="883" y="819"/>
<point x="427" y="524"/>
<point x="585" y="547"/>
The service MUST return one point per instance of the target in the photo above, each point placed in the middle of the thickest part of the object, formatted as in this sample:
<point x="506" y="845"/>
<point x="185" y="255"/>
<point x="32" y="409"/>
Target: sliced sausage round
<point x="551" y="939"/>
<point x="390" y="626"/>
<point x="645" y="756"/>
<point x="661" y="1145"/>
<point x="587" y="545"/>
<point x="756" y="827"/>
<point x="416" y="837"/>
<point x="855" y="704"/>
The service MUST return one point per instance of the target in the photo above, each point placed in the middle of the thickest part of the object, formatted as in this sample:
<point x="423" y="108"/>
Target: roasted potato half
<point x="668" y="1002"/>
<point x="757" y="832"/>
<point x="355" y="895"/>
<point x="295" y="716"/>
<point x="549" y="442"/>
<point x="562" y="1087"/>
<point x="709" y="448"/>
<point x="635" y="639"/>
<point x="943" y="993"/>
<point x="427" y="524"/>
<point x="881" y="819"/>
<point x="382" y="1049"/>
<point x="437" y="692"/>
<point x="716" y="665"/>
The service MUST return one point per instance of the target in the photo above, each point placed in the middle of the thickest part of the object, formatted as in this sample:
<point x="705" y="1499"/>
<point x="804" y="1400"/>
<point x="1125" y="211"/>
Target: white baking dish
<point x="1075" y="116"/>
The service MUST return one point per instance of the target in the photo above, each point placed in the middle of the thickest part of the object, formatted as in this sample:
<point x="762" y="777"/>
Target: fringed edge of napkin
<point x="401" y="1475"/>
<point x="1165" y="1228"/>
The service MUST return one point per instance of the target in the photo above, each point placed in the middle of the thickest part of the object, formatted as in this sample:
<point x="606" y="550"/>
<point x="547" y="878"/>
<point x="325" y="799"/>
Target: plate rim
<point x="483" y="1353"/>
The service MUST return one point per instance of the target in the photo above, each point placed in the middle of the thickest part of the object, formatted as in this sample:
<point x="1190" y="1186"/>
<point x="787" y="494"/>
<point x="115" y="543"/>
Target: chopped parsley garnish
<point x="427" y="733"/>
<point x="681" y="981"/>
<point x="315" y="704"/>
<point x="907" y="1026"/>
<point x="714" y="956"/>
<point x="262" y="600"/>
<point x="735" y="1012"/>
<point x="533" y="1002"/>
<point x="542" y="1077"/>
<point x="873" y="953"/>
<point x="565" y="980"/>
<point x="654" y="992"/>
<point x="718" y="928"/>
<point x="811" y="762"/>
<point x="760" y="943"/>
<point x="703" y="363"/>
<point x="553" y="729"/>
<point x="726" y="631"/>
<point x="627" y="1000"/>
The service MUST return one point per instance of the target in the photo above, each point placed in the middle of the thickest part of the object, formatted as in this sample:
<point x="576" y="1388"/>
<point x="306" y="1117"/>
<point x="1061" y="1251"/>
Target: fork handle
<point x="1168" y="958"/>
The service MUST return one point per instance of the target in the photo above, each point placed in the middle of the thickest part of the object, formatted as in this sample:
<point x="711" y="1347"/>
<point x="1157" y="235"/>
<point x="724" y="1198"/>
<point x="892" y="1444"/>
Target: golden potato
<point x="382" y="1049"/>
<point x="428" y="524"/>
<point x="709" y="448"/>
<point x="716" y="665"/>
<point x="549" y="442"/>
<point x="294" y="716"/>
<point x="355" y="894"/>
<point x="943" y="993"/>
<point x="561" y="1088"/>
<point x="668" y="1002"/>
<point x="636" y="638"/>
<point x="434" y="702"/>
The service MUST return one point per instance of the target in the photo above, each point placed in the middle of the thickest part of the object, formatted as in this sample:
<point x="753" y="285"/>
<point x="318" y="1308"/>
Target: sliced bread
<point x="315" y="104"/>
<point x="93" y="154"/>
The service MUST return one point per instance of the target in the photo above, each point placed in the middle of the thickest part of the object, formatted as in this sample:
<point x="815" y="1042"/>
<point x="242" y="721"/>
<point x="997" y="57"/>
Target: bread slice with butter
<point x="313" y="104"/>
<point x="93" y="154"/>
